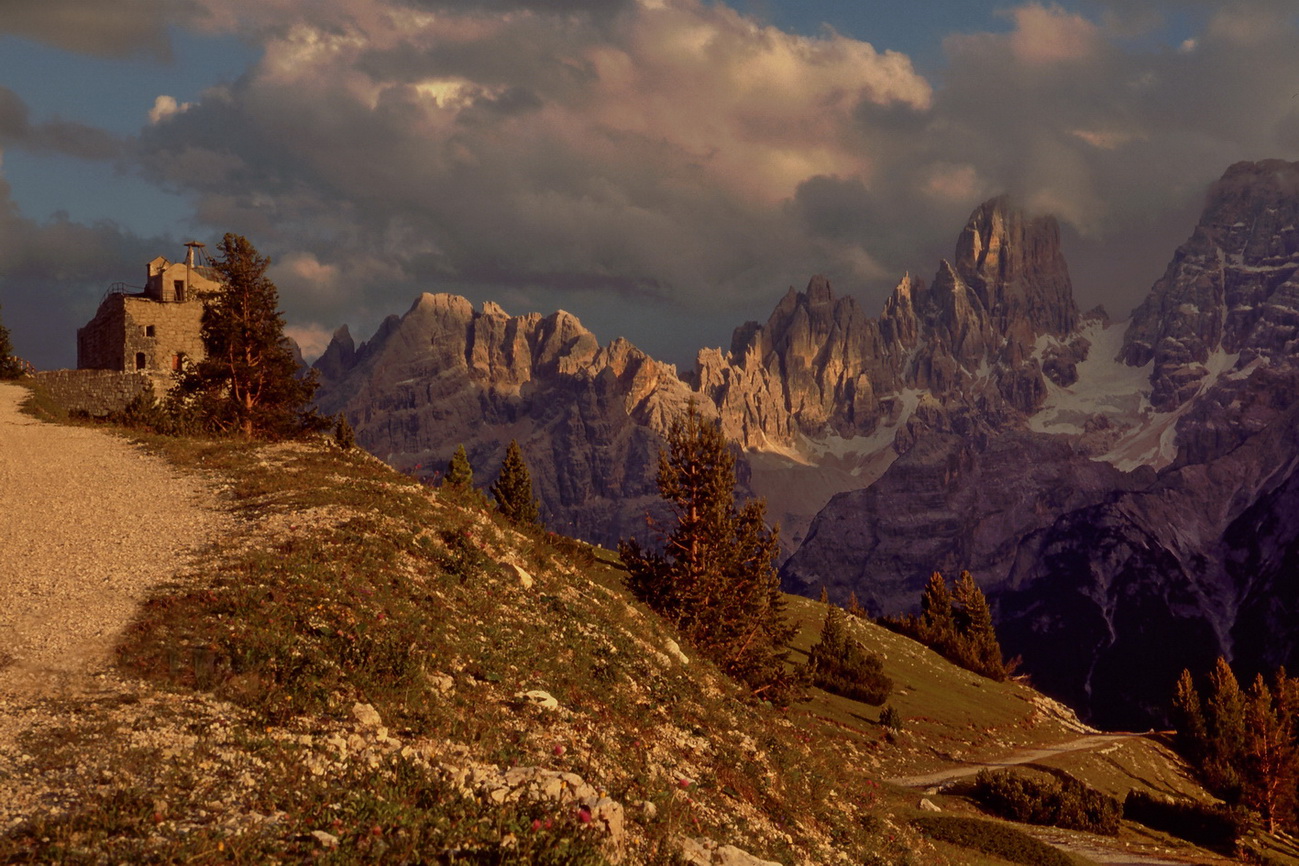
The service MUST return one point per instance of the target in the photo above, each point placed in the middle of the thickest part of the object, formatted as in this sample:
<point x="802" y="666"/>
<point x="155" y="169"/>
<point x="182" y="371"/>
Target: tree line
<point x="1243" y="743"/>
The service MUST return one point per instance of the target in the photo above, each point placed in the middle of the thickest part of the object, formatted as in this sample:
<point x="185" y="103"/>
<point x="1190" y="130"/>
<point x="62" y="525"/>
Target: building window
<point x="150" y="331"/>
<point x="176" y="360"/>
<point x="139" y="361"/>
<point x="179" y="286"/>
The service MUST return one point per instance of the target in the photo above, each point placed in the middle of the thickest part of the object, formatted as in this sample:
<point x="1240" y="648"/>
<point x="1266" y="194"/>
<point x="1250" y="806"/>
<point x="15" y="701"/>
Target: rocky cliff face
<point x="1230" y="289"/>
<point x="587" y="417"/>
<point x="820" y="396"/>
<point x="1167" y="548"/>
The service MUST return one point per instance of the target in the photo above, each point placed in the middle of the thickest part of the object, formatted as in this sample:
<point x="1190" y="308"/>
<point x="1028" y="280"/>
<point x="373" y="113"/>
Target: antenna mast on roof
<point x="195" y="247"/>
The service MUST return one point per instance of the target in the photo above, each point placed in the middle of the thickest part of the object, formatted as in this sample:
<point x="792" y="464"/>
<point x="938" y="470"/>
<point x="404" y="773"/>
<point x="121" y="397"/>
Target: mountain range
<point x="1121" y="491"/>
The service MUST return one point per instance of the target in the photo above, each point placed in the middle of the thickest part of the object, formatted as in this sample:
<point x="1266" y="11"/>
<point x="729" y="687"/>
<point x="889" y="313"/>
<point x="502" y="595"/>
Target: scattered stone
<point x="327" y="840"/>
<point x="706" y="852"/>
<point x="538" y="698"/>
<point x="525" y="579"/>
<point x="674" y="650"/>
<point x="928" y="805"/>
<point x="366" y="715"/>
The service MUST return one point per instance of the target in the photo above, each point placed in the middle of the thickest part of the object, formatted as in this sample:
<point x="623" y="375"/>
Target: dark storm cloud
<point x="72" y="139"/>
<point x="672" y="160"/>
<point x="53" y="274"/>
<point x="105" y="29"/>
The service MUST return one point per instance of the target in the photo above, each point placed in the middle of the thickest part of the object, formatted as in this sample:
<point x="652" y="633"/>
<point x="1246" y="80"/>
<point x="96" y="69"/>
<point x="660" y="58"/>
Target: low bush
<point x="995" y="839"/>
<point x="1052" y="802"/>
<point x="1216" y="827"/>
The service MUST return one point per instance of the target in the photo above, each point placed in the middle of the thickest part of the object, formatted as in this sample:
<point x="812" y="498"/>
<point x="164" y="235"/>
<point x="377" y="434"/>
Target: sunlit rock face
<point x="589" y="418"/>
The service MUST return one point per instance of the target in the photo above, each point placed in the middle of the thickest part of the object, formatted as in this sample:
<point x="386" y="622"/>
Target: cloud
<point x="59" y="136"/>
<point x="118" y="29"/>
<point x="53" y="274"/>
<point x="666" y="161"/>
<point x="165" y="106"/>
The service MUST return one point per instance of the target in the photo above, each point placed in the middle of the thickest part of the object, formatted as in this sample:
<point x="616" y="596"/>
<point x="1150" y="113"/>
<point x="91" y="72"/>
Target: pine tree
<point x="714" y="576"/>
<point x="1188" y="719"/>
<point x="840" y="664"/>
<point x="978" y="637"/>
<point x="1269" y="755"/>
<point x="10" y="368"/>
<point x="1224" y="722"/>
<point x="248" y="381"/>
<point x="459" y="473"/>
<point x="937" y="617"/>
<point x="513" y="489"/>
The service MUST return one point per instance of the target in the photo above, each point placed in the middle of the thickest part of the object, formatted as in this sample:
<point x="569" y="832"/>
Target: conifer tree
<point x="9" y="366"/>
<point x="840" y="664"/>
<point x="248" y="380"/>
<point x="459" y="472"/>
<point x="513" y="489"/>
<point x="1188" y="719"/>
<point x="974" y="624"/>
<point x="714" y="576"/>
<point x="1269" y="754"/>
<point x="937" y="619"/>
<point x="1224" y="722"/>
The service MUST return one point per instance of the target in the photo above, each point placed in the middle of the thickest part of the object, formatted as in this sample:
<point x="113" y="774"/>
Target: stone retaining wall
<point x="96" y="392"/>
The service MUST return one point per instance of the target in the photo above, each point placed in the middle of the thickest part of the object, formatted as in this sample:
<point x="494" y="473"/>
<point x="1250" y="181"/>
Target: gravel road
<point x="88" y="522"/>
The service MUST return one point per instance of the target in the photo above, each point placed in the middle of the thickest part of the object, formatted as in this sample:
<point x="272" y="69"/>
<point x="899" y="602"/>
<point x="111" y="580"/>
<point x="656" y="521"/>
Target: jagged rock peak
<point x="1013" y="262"/>
<point x="1233" y="287"/>
<point x="339" y="356"/>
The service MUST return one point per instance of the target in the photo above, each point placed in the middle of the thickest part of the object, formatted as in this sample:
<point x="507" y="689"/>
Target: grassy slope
<point x="348" y="584"/>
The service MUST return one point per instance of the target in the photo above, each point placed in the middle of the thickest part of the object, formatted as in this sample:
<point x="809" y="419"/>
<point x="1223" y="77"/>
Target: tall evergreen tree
<point x="10" y="368"/>
<point x="248" y="381"/>
<point x="974" y="624"/>
<point x="937" y="617"/>
<point x="513" y="489"/>
<point x="714" y="576"/>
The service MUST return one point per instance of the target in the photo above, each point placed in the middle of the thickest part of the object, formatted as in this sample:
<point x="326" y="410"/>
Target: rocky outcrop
<point x="1090" y="568"/>
<point x="820" y="366"/>
<point x="588" y="418"/>
<point x="953" y="501"/>
<point x="1232" y="288"/>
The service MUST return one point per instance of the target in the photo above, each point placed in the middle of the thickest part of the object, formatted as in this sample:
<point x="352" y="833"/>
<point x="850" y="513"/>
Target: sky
<point x="663" y="169"/>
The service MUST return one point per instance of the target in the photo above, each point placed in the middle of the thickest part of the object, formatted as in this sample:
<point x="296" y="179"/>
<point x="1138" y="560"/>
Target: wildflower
<point x="536" y="824"/>
<point x="559" y="749"/>
<point x="584" y="814"/>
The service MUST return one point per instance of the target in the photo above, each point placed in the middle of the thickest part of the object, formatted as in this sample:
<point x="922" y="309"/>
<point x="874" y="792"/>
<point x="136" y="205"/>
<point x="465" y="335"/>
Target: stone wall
<point x="132" y="332"/>
<point x="96" y="392"/>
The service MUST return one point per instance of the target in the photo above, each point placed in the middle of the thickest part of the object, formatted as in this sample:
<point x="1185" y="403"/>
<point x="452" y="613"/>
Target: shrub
<point x="1054" y="802"/>
<point x="1212" y="826"/>
<point x="996" y="839"/>
<point x="891" y="719"/>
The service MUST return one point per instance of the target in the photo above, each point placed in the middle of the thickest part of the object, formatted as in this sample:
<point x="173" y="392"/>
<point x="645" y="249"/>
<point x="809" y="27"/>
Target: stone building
<point x="154" y="330"/>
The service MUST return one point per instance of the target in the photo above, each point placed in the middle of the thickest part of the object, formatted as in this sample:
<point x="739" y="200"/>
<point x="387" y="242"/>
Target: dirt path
<point x="1019" y="756"/>
<point x="88" y="523"/>
<point x="1095" y="848"/>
